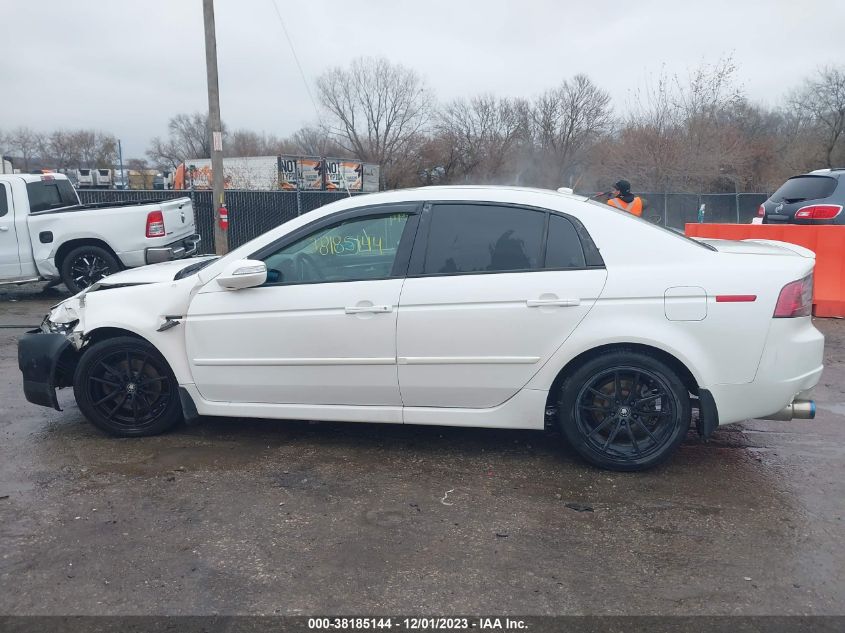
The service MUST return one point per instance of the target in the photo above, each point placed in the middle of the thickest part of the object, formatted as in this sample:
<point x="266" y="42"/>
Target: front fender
<point x="40" y="356"/>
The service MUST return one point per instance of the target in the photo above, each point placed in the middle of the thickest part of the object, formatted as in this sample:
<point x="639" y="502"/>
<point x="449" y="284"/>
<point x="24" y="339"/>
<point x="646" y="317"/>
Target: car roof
<point x="497" y="188"/>
<point x="488" y="193"/>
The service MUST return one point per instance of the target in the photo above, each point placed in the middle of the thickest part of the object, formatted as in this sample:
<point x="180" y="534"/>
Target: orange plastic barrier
<point x="827" y="242"/>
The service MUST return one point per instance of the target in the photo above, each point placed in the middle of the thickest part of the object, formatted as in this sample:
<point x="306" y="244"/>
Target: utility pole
<point x="124" y="179"/>
<point x="221" y="243"/>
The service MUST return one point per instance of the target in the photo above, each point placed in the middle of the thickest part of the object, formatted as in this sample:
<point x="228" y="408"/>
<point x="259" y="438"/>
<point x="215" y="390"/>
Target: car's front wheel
<point x="125" y="387"/>
<point x="624" y="410"/>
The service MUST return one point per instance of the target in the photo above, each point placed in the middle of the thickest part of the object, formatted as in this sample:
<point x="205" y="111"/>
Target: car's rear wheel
<point x="125" y="387"/>
<point x="624" y="411"/>
<point x="86" y="265"/>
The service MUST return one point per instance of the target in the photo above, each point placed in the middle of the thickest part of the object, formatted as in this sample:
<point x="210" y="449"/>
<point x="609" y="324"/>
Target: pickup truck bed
<point x="45" y="233"/>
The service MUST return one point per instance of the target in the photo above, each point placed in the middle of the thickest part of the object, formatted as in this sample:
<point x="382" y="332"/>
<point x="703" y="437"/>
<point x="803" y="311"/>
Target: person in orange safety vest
<point x="623" y="199"/>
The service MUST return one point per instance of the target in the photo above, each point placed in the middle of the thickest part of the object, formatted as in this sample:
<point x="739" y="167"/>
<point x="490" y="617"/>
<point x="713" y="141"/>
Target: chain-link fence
<point x="251" y="213"/>
<point x="678" y="209"/>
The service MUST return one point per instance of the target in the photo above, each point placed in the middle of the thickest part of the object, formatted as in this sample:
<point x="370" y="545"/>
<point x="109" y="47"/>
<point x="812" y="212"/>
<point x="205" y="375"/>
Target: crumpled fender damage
<point x="46" y="361"/>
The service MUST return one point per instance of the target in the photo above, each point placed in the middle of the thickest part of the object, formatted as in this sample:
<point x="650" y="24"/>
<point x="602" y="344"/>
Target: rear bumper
<point x="40" y="357"/>
<point x="760" y="399"/>
<point x="792" y="363"/>
<point x="184" y="247"/>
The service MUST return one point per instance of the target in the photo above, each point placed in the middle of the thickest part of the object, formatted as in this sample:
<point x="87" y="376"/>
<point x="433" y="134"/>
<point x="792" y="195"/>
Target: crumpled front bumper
<point x="46" y="362"/>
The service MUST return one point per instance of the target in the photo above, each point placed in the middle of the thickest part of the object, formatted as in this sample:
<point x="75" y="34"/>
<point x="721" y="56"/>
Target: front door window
<point x="354" y="250"/>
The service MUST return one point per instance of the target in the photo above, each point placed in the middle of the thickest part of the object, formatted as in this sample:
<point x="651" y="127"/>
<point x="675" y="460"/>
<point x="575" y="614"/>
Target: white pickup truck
<point x="45" y="233"/>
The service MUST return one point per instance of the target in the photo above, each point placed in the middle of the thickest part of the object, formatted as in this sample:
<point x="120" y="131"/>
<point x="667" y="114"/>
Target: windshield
<point x="658" y="227"/>
<point x="802" y="188"/>
<point x="193" y="268"/>
<point x="50" y="194"/>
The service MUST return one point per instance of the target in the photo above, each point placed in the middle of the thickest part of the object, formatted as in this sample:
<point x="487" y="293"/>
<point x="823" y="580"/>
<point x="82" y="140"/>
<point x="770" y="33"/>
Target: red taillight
<point x="155" y="224"/>
<point x="796" y="299"/>
<point x="761" y="211"/>
<point x="819" y="212"/>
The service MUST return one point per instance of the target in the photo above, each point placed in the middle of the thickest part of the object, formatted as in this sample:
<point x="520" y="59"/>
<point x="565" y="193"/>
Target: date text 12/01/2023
<point x="417" y="623"/>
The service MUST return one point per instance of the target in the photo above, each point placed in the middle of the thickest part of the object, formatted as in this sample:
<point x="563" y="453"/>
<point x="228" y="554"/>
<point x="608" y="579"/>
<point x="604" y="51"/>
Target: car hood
<point x="151" y="274"/>
<point x="759" y="247"/>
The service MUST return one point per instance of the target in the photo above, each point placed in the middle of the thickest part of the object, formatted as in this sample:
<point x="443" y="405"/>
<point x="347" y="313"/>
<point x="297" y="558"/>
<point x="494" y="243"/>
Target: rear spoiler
<point x="798" y="250"/>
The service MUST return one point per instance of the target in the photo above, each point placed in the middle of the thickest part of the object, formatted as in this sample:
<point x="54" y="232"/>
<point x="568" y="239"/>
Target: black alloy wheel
<point x="86" y="265"/>
<point x="626" y="411"/>
<point x="125" y="387"/>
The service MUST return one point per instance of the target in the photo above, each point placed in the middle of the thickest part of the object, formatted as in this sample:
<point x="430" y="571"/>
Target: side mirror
<point x="243" y="273"/>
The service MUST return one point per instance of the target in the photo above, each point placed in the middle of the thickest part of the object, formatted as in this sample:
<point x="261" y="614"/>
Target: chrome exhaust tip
<point x="795" y="410"/>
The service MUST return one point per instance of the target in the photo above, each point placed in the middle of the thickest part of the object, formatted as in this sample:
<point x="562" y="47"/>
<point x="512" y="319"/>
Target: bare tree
<point x="188" y="137"/>
<point x="137" y="164"/>
<point x="479" y="135"/>
<point x="25" y="143"/>
<point x="249" y="143"/>
<point x="565" y="122"/>
<point x="376" y="109"/>
<point x="683" y="134"/>
<point x="315" y="141"/>
<point x="821" y="102"/>
<point x="94" y="148"/>
<point x="59" y="150"/>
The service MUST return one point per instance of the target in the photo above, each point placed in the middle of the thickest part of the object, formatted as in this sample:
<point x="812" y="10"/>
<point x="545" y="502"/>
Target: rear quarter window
<point x="564" y="249"/>
<point x="803" y="188"/>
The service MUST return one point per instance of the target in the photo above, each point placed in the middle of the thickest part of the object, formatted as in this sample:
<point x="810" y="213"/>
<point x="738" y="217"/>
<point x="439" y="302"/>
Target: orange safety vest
<point x="635" y="207"/>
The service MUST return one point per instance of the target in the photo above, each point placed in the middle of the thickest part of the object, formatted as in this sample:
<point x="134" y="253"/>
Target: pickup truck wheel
<point x="86" y="265"/>
<point x="624" y="411"/>
<point x="125" y="387"/>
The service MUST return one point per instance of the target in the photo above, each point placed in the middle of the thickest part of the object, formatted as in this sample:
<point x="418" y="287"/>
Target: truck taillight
<point x="155" y="224"/>
<point x="796" y="299"/>
<point x="761" y="211"/>
<point x="819" y="212"/>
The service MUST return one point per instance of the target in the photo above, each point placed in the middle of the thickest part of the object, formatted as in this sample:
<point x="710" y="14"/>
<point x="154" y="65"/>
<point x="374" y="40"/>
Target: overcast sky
<point x="128" y="66"/>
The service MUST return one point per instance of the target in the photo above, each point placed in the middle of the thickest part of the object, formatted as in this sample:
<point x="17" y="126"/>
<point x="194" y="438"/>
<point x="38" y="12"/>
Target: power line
<point x="296" y="59"/>
<point x="307" y="86"/>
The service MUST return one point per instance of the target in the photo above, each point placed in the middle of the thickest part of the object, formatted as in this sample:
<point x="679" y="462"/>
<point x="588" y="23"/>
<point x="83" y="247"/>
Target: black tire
<point x="86" y="265"/>
<point x="125" y="387"/>
<point x="624" y="411"/>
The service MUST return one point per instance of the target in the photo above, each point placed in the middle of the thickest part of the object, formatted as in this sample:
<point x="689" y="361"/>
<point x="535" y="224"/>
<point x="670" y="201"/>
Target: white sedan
<point x="461" y="306"/>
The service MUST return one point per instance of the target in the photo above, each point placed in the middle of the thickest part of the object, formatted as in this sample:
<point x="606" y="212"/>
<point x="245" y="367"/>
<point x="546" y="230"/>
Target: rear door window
<point x="479" y="238"/>
<point x="4" y="203"/>
<point x="803" y="188"/>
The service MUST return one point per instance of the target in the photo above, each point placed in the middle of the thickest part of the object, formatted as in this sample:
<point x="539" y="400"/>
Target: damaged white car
<point x="466" y="306"/>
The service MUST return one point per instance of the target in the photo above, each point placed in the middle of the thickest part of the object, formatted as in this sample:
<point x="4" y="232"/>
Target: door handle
<point x="563" y="303"/>
<point x="368" y="309"/>
<point x="4" y="228"/>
